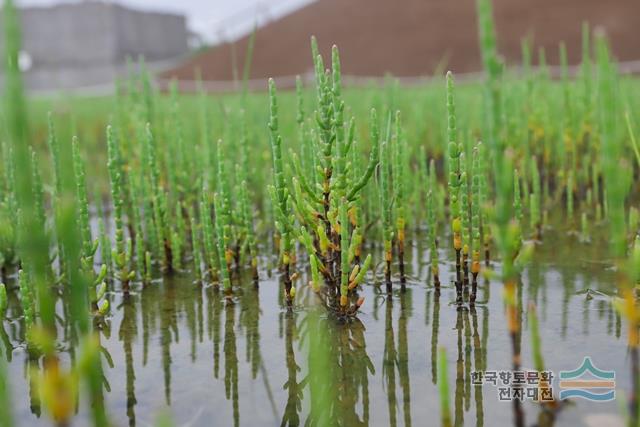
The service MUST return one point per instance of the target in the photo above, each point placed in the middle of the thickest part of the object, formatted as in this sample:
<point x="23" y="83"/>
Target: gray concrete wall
<point x="69" y="35"/>
<point x="86" y="44"/>
<point x="156" y="36"/>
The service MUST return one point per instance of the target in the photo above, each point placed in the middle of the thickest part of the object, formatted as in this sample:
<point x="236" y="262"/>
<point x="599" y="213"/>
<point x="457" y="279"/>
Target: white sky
<point x="206" y="17"/>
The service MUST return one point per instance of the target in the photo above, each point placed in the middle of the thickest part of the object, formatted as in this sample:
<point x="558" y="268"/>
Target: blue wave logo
<point x="600" y="388"/>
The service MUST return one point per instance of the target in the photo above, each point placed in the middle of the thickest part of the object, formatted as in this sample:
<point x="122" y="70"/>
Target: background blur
<point x="85" y="45"/>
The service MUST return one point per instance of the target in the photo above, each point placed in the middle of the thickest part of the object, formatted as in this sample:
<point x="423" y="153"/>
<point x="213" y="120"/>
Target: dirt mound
<point x="417" y="37"/>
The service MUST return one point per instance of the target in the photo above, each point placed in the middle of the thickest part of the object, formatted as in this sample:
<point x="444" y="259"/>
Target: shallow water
<point x="245" y="363"/>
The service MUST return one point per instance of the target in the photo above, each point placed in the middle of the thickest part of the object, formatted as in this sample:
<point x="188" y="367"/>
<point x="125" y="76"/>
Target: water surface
<point x="245" y="363"/>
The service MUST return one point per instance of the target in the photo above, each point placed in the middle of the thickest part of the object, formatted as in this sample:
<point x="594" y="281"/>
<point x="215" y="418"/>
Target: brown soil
<point x="418" y="37"/>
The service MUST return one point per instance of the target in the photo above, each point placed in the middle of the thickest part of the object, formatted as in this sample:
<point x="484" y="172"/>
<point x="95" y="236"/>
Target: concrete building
<point x="86" y="45"/>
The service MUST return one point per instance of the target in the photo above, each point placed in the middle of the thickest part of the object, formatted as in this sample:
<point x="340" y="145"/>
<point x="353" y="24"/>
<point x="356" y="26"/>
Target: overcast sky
<point x="208" y="16"/>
